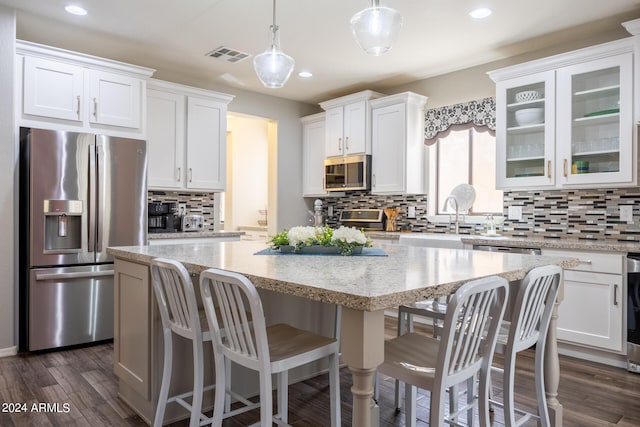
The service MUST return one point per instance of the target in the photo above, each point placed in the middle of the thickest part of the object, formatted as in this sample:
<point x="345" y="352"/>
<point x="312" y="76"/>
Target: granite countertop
<point x="553" y="243"/>
<point x="194" y="234"/>
<point x="406" y="275"/>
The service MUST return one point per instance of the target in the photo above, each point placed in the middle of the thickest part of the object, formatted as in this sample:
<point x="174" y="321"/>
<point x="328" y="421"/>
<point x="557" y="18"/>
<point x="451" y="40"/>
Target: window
<point x="465" y="157"/>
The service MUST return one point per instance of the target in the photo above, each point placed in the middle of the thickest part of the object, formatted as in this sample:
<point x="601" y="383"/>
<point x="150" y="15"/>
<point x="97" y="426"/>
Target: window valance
<point x="439" y="122"/>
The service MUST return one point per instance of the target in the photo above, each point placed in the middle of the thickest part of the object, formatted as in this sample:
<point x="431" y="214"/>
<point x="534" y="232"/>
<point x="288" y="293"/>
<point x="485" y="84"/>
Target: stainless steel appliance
<point x="510" y="249"/>
<point x="79" y="194"/>
<point x="193" y="222"/>
<point x="162" y="218"/>
<point x="347" y="173"/>
<point x="633" y="313"/>
<point x="366" y="219"/>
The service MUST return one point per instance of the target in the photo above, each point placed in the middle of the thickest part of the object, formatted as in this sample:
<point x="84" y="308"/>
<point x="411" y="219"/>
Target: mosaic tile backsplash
<point x="581" y="214"/>
<point x="197" y="203"/>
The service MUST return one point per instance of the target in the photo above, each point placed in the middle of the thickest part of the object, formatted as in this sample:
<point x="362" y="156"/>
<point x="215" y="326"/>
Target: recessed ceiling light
<point x="480" y="13"/>
<point x="305" y="74"/>
<point x="75" y="10"/>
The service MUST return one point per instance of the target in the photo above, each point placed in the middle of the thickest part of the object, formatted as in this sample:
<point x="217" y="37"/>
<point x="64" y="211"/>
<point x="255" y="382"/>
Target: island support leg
<point x="552" y="369"/>
<point x="362" y="343"/>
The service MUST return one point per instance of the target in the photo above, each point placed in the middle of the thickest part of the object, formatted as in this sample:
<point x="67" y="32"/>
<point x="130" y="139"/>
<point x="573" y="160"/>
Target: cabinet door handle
<point x="78" y="106"/>
<point x="549" y="169"/>
<point x="585" y="261"/>
<point x="373" y="179"/>
<point x="339" y="144"/>
<point x="347" y="142"/>
<point x="179" y="174"/>
<point x="615" y="295"/>
<point x="190" y="175"/>
<point x="565" y="168"/>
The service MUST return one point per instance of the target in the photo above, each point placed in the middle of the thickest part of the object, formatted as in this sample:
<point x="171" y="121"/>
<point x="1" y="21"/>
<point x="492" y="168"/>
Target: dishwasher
<point x="510" y="249"/>
<point x="633" y="313"/>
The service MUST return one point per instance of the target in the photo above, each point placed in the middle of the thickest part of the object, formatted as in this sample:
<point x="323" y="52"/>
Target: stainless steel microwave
<point x="347" y="173"/>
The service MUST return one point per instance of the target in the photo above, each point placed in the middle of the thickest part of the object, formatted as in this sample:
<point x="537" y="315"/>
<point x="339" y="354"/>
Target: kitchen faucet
<point x="455" y="204"/>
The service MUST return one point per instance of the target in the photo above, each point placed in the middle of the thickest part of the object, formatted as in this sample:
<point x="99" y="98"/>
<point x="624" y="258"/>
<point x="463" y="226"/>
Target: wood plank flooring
<point x="81" y="390"/>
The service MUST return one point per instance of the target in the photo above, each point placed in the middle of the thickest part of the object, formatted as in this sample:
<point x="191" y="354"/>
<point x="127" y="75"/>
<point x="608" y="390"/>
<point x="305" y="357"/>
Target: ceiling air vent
<point x="228" y="54"/>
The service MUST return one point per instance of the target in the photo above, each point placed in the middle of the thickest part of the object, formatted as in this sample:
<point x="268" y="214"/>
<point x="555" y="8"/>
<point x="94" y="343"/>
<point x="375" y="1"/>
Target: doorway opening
<point x="249" y="202"/>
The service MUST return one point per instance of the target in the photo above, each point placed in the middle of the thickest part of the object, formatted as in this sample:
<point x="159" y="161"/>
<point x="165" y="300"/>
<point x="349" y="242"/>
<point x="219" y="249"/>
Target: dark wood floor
<point x="80" y="388"/>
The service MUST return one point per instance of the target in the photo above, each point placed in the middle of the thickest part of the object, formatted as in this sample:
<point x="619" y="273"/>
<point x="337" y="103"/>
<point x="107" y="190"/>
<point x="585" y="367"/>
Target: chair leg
<point x="483" y="397"/>
<point x="283" y="395"/>
<point x="334" y="390"/>
<point x="543" y="409"/>
<point x="166" y="379"/>
<point x="436" y="407"/>
<point x="410" y="393"/>
<point x="221" y="363"/>
<point x="402" y="319"/>
<point x="266" y="402"/>
<point x="508" y="386"/>
<point x="471" y="395"/>
<point x="227" y="374"/>
<point x="198" y="380"/>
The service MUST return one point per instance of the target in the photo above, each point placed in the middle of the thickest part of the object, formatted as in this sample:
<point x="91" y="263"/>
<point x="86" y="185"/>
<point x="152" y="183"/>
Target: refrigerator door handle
<point x="76" y="275"/>
<point x="92" y="187"/>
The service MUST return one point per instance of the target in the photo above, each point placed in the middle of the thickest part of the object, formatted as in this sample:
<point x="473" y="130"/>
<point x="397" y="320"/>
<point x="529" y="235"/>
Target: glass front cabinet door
<point x="594" y="122"/>
<point x="525" y="111"/>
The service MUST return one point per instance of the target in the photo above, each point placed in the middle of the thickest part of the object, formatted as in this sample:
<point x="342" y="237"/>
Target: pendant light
<point x="376" y="28"/>
<point x="273" y="66"/>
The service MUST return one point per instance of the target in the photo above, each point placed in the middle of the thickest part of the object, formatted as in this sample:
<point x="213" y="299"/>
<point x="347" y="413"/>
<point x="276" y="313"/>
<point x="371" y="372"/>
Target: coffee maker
<point x="162" y="217"/>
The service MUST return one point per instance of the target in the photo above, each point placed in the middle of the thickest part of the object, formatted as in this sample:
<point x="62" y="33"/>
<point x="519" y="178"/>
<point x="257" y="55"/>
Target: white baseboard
<point x="9" y="351"/>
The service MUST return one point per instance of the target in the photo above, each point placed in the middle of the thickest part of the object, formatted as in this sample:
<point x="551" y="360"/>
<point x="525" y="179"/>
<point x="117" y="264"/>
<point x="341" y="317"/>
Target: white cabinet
<point x="348" y="124"/>
<point x="591" y="313"/>
<point x="313" y="154"/>
<point x="580" y="127"/>
<point x="187" y="137"/>
<point x="69" y="91"/>
<point x="397" y="161"/>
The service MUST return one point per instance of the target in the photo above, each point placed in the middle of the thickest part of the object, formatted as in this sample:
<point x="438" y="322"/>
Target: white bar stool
<point x="268" y="350"/>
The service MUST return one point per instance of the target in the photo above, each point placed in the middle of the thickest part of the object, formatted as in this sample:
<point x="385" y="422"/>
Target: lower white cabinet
<point x="397" y="144"/>
<point x="187" y="137"/>
<point x="313" y="154"/>
<point x="591" y="313"/>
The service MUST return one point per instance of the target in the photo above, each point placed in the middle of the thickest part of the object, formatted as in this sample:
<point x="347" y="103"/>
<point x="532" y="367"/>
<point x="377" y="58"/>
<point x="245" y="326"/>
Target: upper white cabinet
<point x="186" y="133"/>
<point x="348" y="124"/>
<point x="567" y="120"/>
<point x="70" y="91"/>
<point x="398" y="150"/>
<point x="313" y="139"/>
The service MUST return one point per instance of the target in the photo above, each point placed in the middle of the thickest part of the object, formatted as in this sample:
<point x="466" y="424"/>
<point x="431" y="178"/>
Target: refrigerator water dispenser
<point x="62" y="226"/>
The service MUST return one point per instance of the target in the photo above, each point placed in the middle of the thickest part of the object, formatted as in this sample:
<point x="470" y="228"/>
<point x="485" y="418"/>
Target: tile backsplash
<point x="591" y="214"/>
<point x="197" y="203"/>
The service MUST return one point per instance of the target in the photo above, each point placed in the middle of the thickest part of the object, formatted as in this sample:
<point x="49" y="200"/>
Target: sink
<point x="432" y="240"/>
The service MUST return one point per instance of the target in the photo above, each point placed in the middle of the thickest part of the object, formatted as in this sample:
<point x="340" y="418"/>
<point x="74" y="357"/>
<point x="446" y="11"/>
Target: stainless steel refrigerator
<point x="79" y="194"/>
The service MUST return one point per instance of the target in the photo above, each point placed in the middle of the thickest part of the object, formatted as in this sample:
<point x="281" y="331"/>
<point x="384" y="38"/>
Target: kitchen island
<point x="363" y="285"/>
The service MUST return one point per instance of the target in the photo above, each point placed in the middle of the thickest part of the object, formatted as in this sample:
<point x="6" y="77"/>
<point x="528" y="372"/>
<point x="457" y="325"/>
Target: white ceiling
<point x="437" y="37"/>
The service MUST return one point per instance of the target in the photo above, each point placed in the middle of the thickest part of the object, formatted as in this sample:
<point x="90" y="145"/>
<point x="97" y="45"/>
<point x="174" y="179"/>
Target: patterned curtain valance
<point x="479" y="113"/>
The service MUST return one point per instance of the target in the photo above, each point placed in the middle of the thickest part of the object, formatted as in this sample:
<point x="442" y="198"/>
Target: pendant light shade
<point x="376" y="28"/>
<point x="273" y="66"/>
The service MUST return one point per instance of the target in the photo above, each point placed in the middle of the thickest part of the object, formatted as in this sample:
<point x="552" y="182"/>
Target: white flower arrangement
<point x="345" y="239"/>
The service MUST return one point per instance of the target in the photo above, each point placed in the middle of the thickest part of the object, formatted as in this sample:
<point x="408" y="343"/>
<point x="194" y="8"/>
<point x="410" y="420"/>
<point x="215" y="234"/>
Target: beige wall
<point x="8" y="180"/>
<point x="474" y="83"/>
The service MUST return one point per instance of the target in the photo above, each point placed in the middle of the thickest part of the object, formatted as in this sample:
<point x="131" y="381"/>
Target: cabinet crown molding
<point x="81" y="59"/>
<point x="365" y="95"/>
<point x="404" y="97"/>
<point x="554" y="62"/>
<point x="181" y="89"/>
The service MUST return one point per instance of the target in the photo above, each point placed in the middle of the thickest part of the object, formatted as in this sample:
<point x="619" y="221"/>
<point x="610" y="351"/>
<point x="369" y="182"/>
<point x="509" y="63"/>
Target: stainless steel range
<point x="366" y="219"/>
